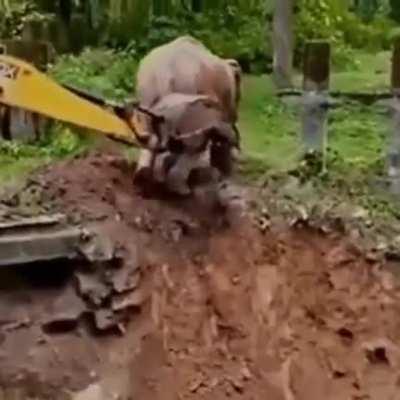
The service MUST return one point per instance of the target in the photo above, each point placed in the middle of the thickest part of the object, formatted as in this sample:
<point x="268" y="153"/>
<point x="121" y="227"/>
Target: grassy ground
<point x="18" y="160"/>
<point x="357" y="134"/>
<point x="373" y="73"/>
<point x="357" y="143"/>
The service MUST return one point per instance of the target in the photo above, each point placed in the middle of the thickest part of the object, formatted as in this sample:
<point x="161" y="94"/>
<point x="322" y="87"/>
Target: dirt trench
<point x="225" y="311"/>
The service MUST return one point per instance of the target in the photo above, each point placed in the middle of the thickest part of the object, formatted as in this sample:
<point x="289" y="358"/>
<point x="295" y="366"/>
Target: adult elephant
<point x="186" y="66"/>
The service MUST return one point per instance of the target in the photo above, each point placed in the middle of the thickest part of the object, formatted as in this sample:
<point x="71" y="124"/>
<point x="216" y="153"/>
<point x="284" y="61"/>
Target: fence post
<point x="393" y="158"/>
<point x="315" y="99"/>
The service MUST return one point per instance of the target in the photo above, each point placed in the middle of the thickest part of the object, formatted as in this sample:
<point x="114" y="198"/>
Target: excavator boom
<point x="23" y="86"/>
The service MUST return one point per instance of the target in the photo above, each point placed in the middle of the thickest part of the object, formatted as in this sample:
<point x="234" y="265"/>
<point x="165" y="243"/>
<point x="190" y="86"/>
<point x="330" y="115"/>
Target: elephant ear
<point x="187" y="113"/>
<point x="237" y="73"/>
<point x="234" y="64"/>
<point x="144" y="124"/>
<point x="177" y="102"/>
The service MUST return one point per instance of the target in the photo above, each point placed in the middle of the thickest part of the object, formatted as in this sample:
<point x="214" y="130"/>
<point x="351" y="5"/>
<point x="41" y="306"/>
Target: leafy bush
<point x="374" y="35"/>
<point x="108" y="73"/>
<point x="218" y="30"/>
<point x="320" y="20"/>
<point x="12" y="18"/>
<point x="58" y="142"/>
<point x="332" y="21"/>
<point x="394" y="34"/>
<point x="395" y="10"/>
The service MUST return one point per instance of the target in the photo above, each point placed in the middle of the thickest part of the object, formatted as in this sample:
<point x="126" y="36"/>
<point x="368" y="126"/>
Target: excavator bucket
<point x="24" y="87"/>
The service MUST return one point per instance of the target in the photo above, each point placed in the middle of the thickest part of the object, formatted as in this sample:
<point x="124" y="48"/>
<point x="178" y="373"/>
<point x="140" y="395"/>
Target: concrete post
<point x="316" y="66"/>
<point x="393" y="159"/>
<point x="22" y="125"/>
<point x="39" y="53"/>
<point x="315" y="100"/>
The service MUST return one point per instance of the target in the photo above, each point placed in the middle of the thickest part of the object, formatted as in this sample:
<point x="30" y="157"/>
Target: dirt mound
<point x="287" y="316"/>
<point x="101" y="186"/>
<point x="230" y="312"/>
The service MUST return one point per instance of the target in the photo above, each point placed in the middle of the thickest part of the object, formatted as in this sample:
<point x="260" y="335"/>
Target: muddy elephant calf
<point x="192" y="133"/>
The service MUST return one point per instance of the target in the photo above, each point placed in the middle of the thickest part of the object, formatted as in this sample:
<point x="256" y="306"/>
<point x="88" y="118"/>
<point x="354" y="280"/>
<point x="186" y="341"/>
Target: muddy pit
<point x="211" y="308"/>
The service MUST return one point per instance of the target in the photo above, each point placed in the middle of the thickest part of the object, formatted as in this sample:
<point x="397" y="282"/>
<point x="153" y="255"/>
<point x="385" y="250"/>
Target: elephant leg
<point x="221" y="158"/>
<point x="145" y="159"/>
<point x="144" y="166"/>
<point x="178" y="175"/>
<point x="162" y="163"/>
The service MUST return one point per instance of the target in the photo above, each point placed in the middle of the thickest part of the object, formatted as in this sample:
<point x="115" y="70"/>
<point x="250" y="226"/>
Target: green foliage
<point x="358" y="136"/>
<point x="395" y="10"/>
<point x="367" y="9"/>
<point x="12" y="16"/>
<point x="137" y="25"/>
<point x="394" y="34"/>
<point x="127" y="21"/>
<point x="60" y="141"/>
<point x="356" y="156"/>
<point x="332" y="20"/>
<point x="19" y="159"/>
<point x="271" y="132"/>
<point x="105" y="72"/>
<point x="321" y="20"/>
<point x="217" y="29"/>
<point x="372" y="73"/>
<point x="374" y="35"/>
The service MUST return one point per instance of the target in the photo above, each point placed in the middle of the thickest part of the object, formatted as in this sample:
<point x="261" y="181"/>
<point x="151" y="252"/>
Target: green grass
<point x="357" y="144"/>
<point x="373" y="73"/>
<point x="106" y="73"/>
<point x="12" y="170"/>
<point x="18" y="160"/>
<point x="271" y="129"/>
<point x="370" y="73"/>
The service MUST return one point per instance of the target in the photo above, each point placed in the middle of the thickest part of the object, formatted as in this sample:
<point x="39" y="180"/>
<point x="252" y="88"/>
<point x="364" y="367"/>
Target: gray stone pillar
<point x="393" y="157"/>
<point x="315" y="100"/>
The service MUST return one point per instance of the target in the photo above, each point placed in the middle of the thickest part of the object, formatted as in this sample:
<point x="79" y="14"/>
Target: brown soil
<point x="229" y="312"/>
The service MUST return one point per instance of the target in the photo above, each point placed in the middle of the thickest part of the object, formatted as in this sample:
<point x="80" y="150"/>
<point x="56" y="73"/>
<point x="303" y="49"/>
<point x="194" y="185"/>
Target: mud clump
<point x="226" y="310"/>
<point x="288" y="316"/>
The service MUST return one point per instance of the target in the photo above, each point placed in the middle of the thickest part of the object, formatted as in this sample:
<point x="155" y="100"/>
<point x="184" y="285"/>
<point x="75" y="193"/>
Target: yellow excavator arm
<point x="23" y="86"/>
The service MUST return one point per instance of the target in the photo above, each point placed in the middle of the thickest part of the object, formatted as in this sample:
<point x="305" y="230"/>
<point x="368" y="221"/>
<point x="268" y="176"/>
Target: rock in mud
<point x="15" y="325"/>
<point x="97" y="247"/>
<point x="93" y="392"/>
<point x="106" y="320"/>
<point x="63" y="322"/>
<point x="125" y="275"/>
<point x="130" y="300"/>
<point x="125" y="280"/>
<point x="92" y="288"/>
<point x="65" y="312"/>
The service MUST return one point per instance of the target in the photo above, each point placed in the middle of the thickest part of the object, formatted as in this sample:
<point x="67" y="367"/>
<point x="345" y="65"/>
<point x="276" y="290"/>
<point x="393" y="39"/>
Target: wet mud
<point x="221" y="309"/>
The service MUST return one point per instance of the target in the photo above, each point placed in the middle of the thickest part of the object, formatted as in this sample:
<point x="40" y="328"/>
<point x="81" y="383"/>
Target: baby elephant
<point x="192" y="132"/>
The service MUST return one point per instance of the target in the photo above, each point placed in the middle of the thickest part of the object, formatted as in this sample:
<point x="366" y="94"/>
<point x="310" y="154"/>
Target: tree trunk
<point x="282" y="38"/>
<point x="197" y="6"/>
<point x="65" y="10"/>
<point x="161" y="7"/>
